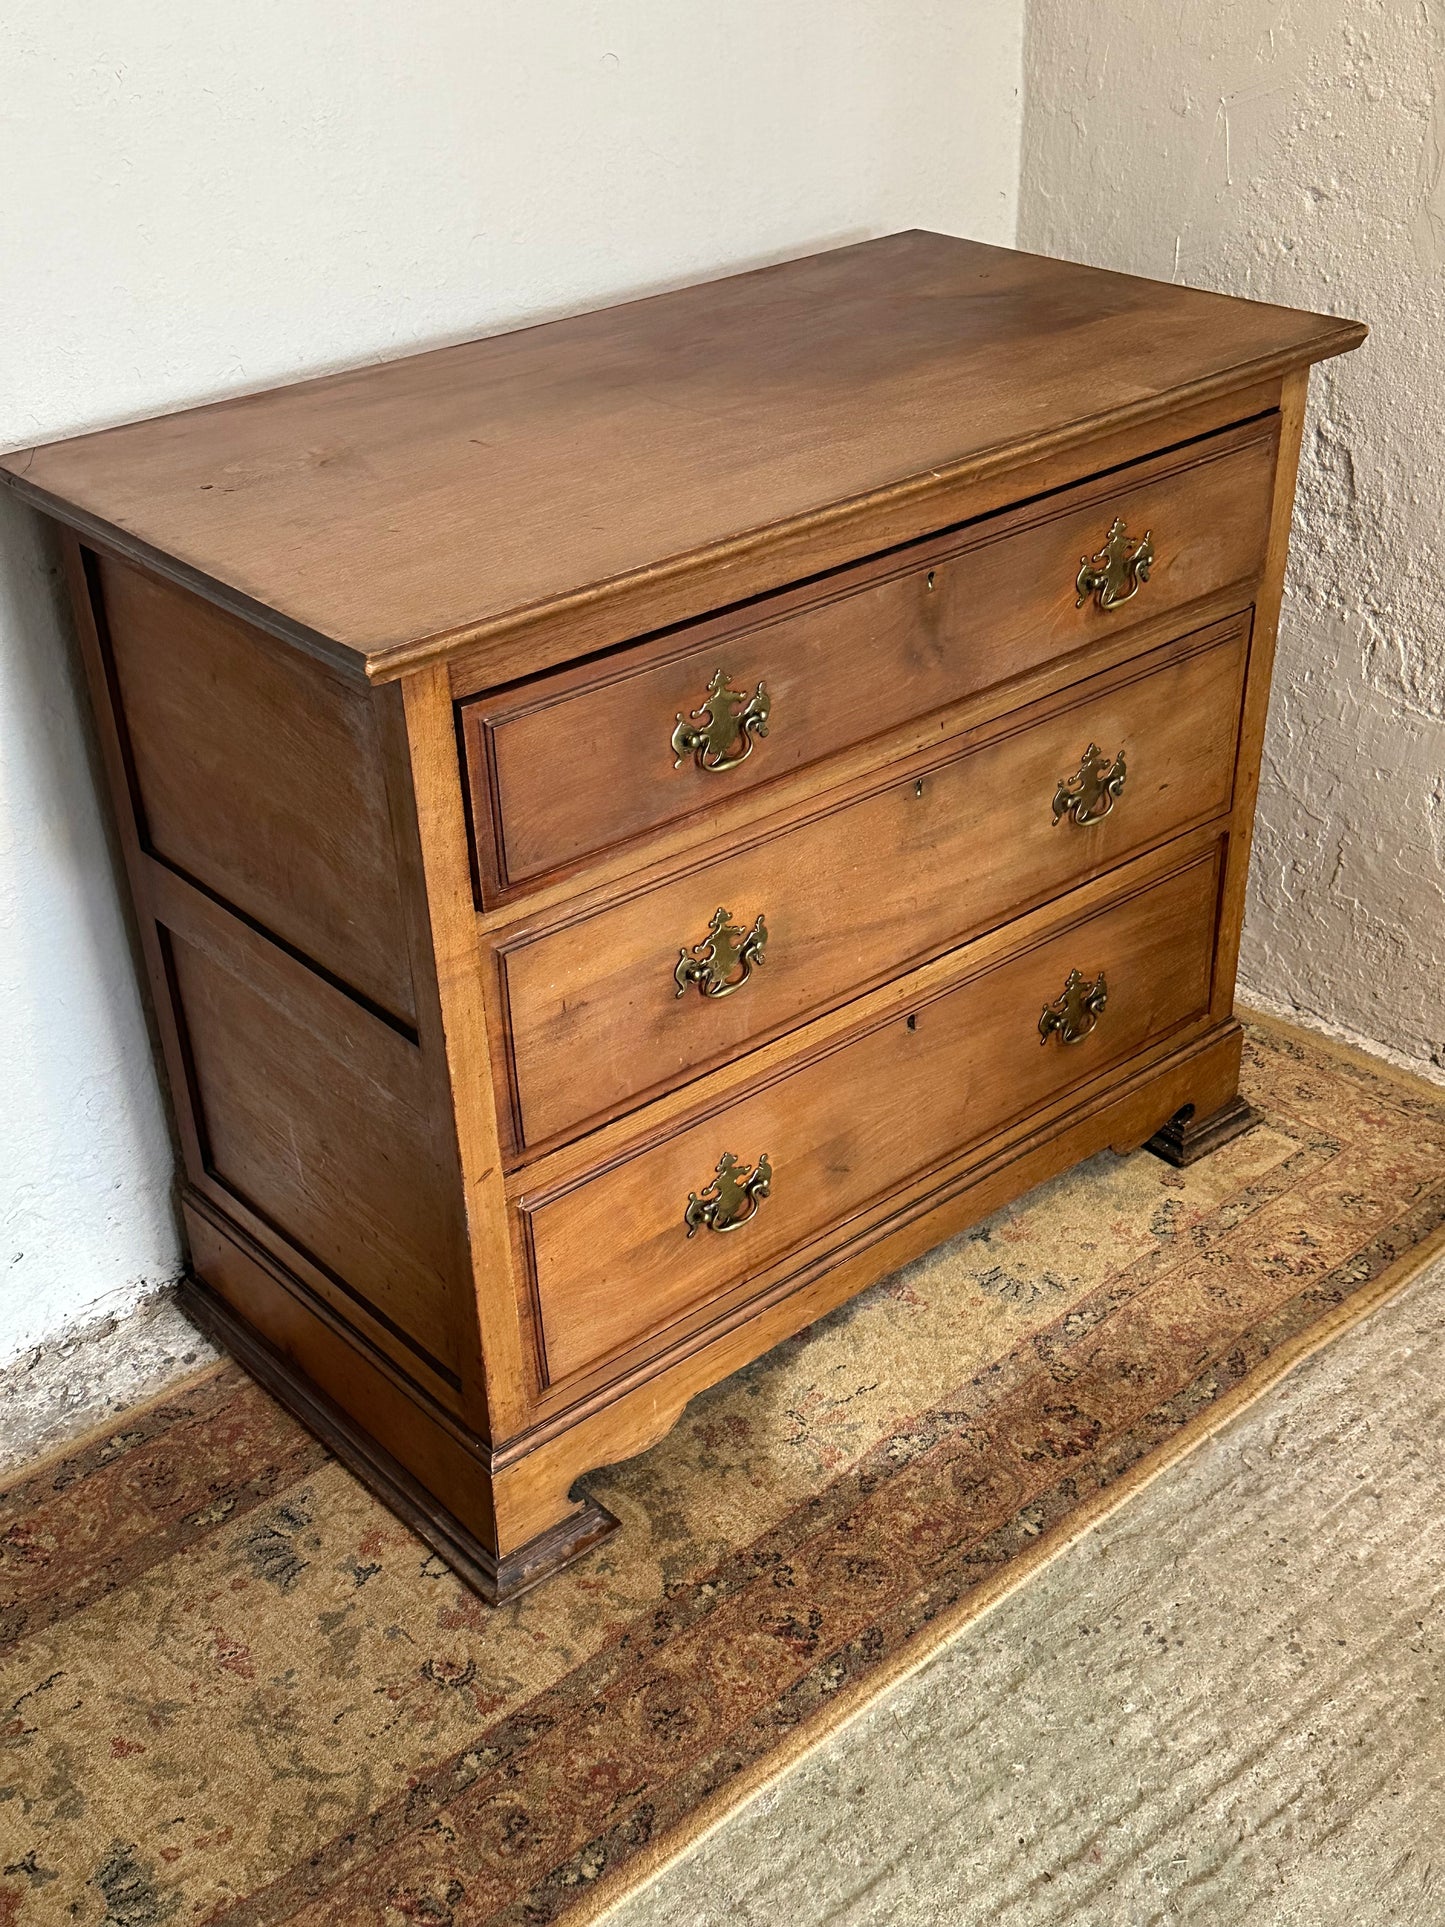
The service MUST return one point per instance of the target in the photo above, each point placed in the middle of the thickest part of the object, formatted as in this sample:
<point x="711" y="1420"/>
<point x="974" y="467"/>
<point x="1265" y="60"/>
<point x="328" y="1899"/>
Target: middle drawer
<point x="626" y="1001"/>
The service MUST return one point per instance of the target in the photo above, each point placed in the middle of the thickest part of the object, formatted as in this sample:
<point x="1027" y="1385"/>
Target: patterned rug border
<point x="128" y="1419"/>
<point x="650" y="1861"/>
<point x="1415" y="1074"/>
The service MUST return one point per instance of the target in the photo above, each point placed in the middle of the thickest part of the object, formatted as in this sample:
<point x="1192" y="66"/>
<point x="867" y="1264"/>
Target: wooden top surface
<point x="406" y="507"/>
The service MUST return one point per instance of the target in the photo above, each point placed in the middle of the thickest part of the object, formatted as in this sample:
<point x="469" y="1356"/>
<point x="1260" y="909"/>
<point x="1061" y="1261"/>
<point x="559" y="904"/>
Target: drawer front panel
<point x="599" y="1018"/>
<point x="581" y="761"/>
<point x="613" y="1262"/>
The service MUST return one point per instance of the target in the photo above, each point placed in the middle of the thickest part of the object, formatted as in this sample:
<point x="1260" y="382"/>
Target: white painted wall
<point x="200" y="200"/>
<point x="1294" y="150"/>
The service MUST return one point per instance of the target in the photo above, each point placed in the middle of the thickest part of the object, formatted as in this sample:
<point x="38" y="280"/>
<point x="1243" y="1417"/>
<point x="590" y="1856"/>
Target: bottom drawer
<point x="624" y="1253"/>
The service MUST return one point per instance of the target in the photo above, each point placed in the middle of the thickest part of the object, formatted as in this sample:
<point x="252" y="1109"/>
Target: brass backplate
<point x="1091" y="792"/>
<point x="1112" y="575"/>
<point x="725" y="959"/>
<point x="720" y="733"/>
<point x="733" y="1197"/>
<point x="1073" y="1014"/>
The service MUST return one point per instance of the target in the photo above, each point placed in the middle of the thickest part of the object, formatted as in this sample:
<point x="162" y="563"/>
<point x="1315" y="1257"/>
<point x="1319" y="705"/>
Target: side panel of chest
<point x="264" y="814"/>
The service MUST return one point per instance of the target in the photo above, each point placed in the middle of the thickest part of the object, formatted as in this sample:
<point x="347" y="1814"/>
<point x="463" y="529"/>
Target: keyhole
<point x="913" y="1023"/>
<point x="918" y="787"/>
<point x="930" y="578"/>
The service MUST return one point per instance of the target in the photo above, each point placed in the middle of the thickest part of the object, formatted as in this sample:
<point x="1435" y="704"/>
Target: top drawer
<point x="572" y="763"/>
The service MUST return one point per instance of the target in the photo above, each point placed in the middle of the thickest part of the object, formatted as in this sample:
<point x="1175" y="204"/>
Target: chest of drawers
<point x="639" y="826"/>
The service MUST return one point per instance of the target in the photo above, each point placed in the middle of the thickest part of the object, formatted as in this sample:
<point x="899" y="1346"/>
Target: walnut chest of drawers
<point x="641" y="825"/>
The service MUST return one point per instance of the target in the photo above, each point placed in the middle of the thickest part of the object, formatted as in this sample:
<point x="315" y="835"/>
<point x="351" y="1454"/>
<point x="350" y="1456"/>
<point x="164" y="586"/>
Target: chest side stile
<point x="461" y="1018"/>
<point x="1263" y="636"/>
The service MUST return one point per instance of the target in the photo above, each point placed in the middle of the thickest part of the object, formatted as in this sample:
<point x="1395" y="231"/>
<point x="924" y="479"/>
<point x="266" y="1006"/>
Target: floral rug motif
<point x="234" y="1690"/>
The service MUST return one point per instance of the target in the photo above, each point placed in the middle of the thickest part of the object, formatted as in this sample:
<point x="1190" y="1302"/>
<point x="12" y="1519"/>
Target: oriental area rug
<point x="233" y="1689"/>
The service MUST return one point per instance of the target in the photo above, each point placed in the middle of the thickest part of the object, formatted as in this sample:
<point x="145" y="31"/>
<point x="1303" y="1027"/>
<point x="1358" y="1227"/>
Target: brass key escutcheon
<point x="1074" y="1014"/>
<point x="733" y="1197"/>
<point x="1112" y="574"/>
<point x="1091" y="792"/>
<point x="725" y="959"/>
<point x="720" y="734"/>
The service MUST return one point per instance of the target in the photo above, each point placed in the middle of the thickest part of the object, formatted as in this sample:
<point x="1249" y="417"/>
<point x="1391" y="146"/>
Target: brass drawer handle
<point x="733" y="1197"/>
<point x="1075" y="1013"/>
<point x="722" y="732"/>
<point x="727" y="949"/>
<point x="1091" y="792"/>
<point x="1112" y="574"/>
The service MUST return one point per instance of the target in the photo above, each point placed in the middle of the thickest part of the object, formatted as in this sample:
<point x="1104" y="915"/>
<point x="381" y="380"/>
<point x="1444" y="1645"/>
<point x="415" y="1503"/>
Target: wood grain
<point x="258" y="774"/>
<point x="1256" y="695"/>
<point x="461" y="1044"/>
<point x="314" y="1114"/>
<point x="534" y="1476"/>
<point x="565" y="766"/>
<point x="613" y="1261"/>
<point x="925" y="858"/>
<point x="588" y="623"/>
<point x="400" y="510"/>
<point x="462" y="1526"/>
<point x="328" y="1367"/>
<point x="732" y="821"/>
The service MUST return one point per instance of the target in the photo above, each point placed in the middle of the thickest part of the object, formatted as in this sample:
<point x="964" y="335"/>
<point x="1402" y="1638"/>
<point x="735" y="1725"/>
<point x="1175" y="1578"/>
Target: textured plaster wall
<point x="200" y="200"/>
<point x="1294" y="150"/>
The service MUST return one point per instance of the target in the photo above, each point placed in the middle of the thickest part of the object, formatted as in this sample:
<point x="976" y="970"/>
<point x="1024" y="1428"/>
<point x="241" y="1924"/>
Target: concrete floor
<point x="89" y="1374"/>
<point x="1226" y="1705"/>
